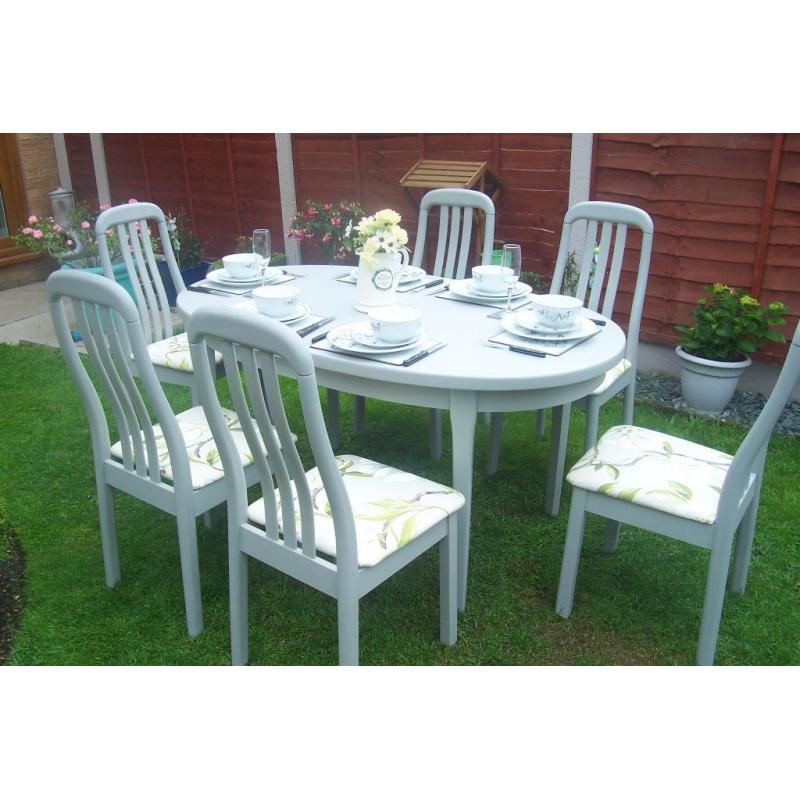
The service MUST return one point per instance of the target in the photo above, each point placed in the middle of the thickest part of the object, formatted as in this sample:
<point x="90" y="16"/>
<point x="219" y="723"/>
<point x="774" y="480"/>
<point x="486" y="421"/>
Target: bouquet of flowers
<point x="330" y="226"/>
<point x="380" y="233"/>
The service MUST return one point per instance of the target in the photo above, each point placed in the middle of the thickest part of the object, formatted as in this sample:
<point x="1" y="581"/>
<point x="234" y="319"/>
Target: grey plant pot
<point x="709" y="385"/>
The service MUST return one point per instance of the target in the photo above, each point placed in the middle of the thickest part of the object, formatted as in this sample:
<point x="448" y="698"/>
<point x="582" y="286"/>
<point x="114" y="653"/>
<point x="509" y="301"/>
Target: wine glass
<point x="262" y="247"/>
<point x="512" y="263"/>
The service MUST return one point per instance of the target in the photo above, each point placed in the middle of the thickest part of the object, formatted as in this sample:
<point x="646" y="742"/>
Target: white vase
<point x="709" y="385"/>
<point x="377" y="284"/>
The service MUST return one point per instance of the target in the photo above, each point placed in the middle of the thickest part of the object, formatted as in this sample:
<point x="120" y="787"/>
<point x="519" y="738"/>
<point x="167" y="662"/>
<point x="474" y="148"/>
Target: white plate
<point x="463" y="288"/>
<point x="366" y="338"/>
<point x="528" y="320"/>
<point x="300" y="310"/>
<point x="341" y="338"/>
<point x="584" y="327"/>
<point x="224" y="277"/>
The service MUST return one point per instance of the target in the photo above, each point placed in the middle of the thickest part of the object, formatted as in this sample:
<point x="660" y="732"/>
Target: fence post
<point x="580" y="175"/>
<point x="283" y="146"/>
<point x="100" y="168"/>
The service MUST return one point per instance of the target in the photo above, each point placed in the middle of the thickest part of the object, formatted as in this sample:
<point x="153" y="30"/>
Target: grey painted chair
<point x="344" y="526"/>
<point x="170" y="464"/>
<point x="613" y="221"/>
<point x="681" y="490"/>
<point x="130" y="225"/>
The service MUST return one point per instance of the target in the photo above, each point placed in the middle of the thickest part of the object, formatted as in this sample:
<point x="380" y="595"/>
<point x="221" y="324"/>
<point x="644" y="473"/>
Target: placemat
<point x="403" y="358"/>
<point x="227" y="289"/>
<point x="515" y="304"/>
<point x="542" y="346"/>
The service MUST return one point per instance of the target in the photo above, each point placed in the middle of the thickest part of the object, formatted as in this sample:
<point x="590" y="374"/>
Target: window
<point x="12" y="200"/>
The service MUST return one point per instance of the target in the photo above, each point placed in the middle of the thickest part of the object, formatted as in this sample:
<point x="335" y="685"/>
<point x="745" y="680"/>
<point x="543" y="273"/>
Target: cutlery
<point x="438" y="291"/>
<point x="208" y="290"/>
<point x="293" y="274"/>
<point x="313" y="326"/>
<point x="419" y="356"/>
<point x="526" y="350"/>
<point x="343" y="275"/>
<point x="319" y="337"/>
<point x="427" y="285"/>
<point x="599" y="322"/>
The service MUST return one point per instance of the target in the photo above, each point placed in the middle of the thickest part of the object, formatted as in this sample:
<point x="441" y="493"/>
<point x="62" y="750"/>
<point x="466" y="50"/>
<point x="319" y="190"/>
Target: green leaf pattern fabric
<point x="174" y="353"/>
<point x="655" y="470"/>
<point x="205" y="463"/>
<point x="612" y="375"/>
<point x="391" y="507"/>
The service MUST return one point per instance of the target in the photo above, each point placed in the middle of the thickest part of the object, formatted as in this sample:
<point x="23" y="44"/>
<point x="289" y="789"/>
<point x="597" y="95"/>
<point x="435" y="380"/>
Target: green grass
<point x="639" y="606"/>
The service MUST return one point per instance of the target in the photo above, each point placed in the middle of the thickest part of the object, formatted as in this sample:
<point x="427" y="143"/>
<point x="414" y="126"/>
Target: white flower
<point x="387" y="217"/>
<point x="367" y="226"/>
<point x="399" y="234"/>
<point x="385" y="241"/>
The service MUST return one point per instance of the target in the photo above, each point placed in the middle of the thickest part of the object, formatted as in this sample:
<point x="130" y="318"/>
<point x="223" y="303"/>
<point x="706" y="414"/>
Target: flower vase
<point x="377" y="283"/>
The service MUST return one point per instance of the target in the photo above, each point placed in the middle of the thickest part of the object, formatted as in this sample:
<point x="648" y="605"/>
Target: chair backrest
<point x="130" y="224"/>
<point x="456" y="211"/>
<point x="112" y="333"/>
<point x="602" y="281"/>
<point x="250" y="344"/>
<point x="754" y="447"/>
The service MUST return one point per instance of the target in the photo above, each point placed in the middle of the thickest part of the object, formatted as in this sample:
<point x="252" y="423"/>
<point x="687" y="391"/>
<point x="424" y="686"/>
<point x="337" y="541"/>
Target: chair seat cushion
<point x="174" y="353"/>
<point x="655" y="470"/>
<point x="391" y="507"/>
<point x="612" y="374"/>
<point x="205" y="463"/>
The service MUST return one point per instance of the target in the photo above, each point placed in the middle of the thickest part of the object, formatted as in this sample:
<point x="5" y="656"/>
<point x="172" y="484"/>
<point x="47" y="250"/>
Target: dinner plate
<point x="300" y="310"/>
<point x="367" y="338"/>
<point x="527" y="319"/>
<point x="463" y="288"/>
<point x="408" y="275"/>
<point x="223" y="277"/>
<point x="342" y="338"/>
<point x="583" y="328"/>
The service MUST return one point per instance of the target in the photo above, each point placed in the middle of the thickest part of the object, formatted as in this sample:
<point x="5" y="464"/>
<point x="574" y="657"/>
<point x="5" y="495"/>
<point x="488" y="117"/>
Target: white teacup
<point x="489" y="278"/>
<point x="394" y="324"/>
<point x="241" y="265"/>
<point x="556" y="311"/>
<point x="276" y="301"/>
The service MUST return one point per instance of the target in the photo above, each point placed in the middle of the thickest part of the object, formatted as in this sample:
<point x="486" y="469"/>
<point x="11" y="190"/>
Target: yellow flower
<point x="366" y="226"/>
<point x="387" y="217"/>
<point x="746" y="300"/>
<point x="399" y="234"/>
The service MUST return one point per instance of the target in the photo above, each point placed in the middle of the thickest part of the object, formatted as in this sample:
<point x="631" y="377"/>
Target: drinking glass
<point x="512" y="258"/>
<point x="262" y="247"/>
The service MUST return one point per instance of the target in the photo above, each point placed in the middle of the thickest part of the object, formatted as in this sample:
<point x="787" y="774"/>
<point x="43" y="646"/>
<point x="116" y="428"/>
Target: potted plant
<point x="716" y="349"/>
<point x="188" y="253"/>
<point x="330" y="227"/>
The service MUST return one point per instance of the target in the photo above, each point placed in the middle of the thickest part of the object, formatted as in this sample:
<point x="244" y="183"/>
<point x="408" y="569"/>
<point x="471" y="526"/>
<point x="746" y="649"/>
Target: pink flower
<point x="85" y="225"/>
<point x="336" y="221"/>
<point x="70" y="242"/>
<point x="105" y="206"/>
<point x="37" y="234"/>
<point x="57" y="228"/>
<point x="327" y="237"/>
<point x="132" y="200"/>
<point x="27" y="231"/>
<point x="328" y="206"/>
<point x="312" y="212"/>
<point x="32" y="220"/>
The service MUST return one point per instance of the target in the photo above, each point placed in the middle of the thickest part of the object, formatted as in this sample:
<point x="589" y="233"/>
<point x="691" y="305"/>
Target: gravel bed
<point x="664" y="390"/>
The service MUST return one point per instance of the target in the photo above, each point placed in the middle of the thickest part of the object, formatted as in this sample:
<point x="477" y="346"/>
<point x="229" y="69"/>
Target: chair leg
<point x="190" y="571"/>
<point x="714" y="598"/>
<point x="557" y="458"/>
<point x="744" y="547"/>
<point x="359" y="412"/>
<point x="540" y="422"/>
<point x="347" y="613"/>
<point x="108" y="533"/>
<point x="592" y="424"/>
<point x="495" y="438"/>
<point x="611" y="536"/>
<point x="436" y="433"/>
<point x="627" y="402"/>
<point x="333" y="417"/>
<point x="572" y="553"/>
<point x="448" y="584"/>
<point x="237" y="572"/>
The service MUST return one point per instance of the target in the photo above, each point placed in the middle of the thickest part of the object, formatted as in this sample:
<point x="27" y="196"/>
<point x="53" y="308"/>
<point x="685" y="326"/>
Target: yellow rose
<point x="387" y="217"/>
<point x="399" y="234"/>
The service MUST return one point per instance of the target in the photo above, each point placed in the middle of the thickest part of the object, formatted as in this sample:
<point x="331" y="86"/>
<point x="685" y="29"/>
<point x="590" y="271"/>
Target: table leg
<point x="559" y="433"/>
<point x="463" y="414"/>
<point x="359" y="411"/>
<point x="333" y="417"/>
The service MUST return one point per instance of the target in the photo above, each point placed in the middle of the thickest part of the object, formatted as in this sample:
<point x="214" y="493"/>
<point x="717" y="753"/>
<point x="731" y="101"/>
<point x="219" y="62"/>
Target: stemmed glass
<point x="512" y="260"/>
<point x="262" y="247"/>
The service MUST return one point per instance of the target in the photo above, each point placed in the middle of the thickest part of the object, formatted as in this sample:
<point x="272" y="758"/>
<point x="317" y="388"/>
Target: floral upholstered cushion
<point x="391" y="507"/>
<point x="612" y="375"/>
<point x="205" y="464"/>
<point x="656" y="470"/>
<point x="174" y="353"/>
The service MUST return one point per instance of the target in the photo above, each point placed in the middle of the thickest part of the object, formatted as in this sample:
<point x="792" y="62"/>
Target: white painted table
<point x="465" y="377"/>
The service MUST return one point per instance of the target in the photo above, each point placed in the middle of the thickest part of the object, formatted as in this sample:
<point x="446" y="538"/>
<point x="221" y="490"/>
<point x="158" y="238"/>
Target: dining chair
<point x="171" y="463"/>
<point x="682" y="490"/>
<point x="342" y="527"/>
<point x="129" y="224"/>
<point x="606" y="236"/>
<point x="457" y="209"/>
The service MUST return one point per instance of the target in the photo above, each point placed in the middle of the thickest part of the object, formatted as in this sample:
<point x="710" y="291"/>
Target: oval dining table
<point x="466" y="376"/>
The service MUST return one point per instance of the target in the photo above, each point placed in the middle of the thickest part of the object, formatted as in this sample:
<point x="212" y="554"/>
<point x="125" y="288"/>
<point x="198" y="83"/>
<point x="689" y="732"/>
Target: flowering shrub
<point x="185" y="245"/>
<point x="731" y="325"/>
<point x="380" y="233"/>
<point x="330" y="226"/>
<point x="44" y="235"/>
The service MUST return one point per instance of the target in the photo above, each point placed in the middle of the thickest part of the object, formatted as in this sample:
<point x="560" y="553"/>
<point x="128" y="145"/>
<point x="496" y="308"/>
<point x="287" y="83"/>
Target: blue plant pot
<point x="190" y="275"/>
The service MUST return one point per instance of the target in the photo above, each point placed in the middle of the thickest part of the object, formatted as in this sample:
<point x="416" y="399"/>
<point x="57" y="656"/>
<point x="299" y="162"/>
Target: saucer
<point x="464" y="288"/>
<point x="344" y="336"/>
<point x="368" y="339"/>
<point x="300" y="310"/>
<point x="224" y="277"/>
<point x="584" y="328"/>
<point x="527" y="319"/>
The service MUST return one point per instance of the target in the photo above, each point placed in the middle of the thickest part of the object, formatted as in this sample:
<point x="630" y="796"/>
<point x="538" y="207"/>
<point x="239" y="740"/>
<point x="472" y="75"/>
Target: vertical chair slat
<point x="598" y="278"/>
<point x="441" y="244"/>
<point x="289" y="453"/>
<point x="147" y="283"/>
<point x="452" y="241"/>
<point x="126" y="247"/>
<point x="122" y="363"/>
<point x="155" y="278"/>
<point x="586" y="260"/>
<point x="616" y="269"/>
<point x="466" y="235"/>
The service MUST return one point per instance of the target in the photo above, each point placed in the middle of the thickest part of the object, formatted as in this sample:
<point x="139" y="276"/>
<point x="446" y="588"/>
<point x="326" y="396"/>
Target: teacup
<point x="395" y="324"/>
<point x="489" y="278"/>
<point x="241" y="265"/>
<point x="275" y="301"/>
<point x="556" y="311"/>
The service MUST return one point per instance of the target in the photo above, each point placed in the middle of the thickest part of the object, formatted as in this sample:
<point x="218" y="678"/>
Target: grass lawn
<point x="639" y="606"/>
